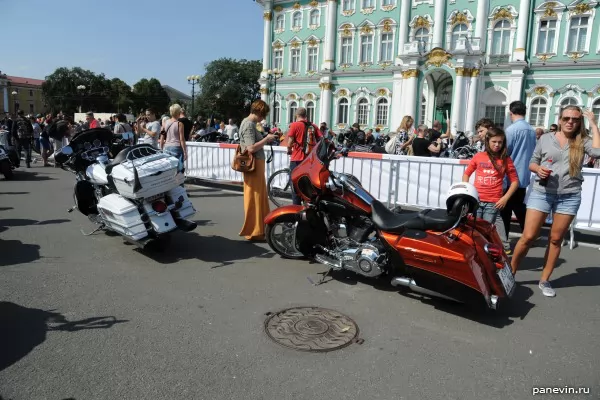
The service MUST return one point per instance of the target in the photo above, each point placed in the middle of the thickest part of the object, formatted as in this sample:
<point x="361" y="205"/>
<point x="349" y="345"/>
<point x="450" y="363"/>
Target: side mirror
<point x="63" y="154"/>
<point x="67" y="151"/>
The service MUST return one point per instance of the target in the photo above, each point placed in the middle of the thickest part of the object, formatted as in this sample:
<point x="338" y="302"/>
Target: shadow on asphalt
<point x="6" y="209"/>
<point x="26" y="176"/>
<point x="537" y="264"/>
<point x="585" y="276"/>
<point x="9" y="193"/>
<point x="517" y="308"/>
<point x="210" y="249"/>
<point x="25" y="328"/>
<point x="206" y="192"/>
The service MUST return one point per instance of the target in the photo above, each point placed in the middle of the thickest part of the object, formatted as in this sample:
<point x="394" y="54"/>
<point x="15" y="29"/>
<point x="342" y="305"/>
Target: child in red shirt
<point x="490" y="167"/>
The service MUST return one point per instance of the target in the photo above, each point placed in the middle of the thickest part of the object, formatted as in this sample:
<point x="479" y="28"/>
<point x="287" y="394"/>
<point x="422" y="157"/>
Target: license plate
<point x="507" y="279"/>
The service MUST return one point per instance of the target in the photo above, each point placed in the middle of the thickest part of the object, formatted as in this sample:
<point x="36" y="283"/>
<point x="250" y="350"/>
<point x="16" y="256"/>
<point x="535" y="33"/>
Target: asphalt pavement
<point x="95" y="318"/>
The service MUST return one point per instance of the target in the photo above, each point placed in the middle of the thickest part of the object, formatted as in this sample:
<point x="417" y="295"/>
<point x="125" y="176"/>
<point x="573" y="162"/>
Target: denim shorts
<point x="567" y="203"/>
<point x="176" y="152"/>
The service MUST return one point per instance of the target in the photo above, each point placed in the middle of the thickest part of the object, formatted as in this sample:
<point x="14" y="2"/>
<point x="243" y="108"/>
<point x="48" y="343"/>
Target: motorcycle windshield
<point x="90" y="135"/>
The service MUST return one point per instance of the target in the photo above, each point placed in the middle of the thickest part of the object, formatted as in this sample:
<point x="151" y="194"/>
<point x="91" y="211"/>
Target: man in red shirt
<point x="92" y="123"/>
<point x="297" y="147"/>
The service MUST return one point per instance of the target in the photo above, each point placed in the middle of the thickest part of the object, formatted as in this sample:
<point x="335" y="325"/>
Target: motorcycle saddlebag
<point x="156" y="174"/>
<point x="122" y="216"/>
<point x="179" y="196"/>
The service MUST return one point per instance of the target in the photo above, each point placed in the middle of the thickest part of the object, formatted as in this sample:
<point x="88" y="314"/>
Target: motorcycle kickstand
<point x="70" y="210"/>
<point x="102" y="226"/>
<point x="322" y="280"/>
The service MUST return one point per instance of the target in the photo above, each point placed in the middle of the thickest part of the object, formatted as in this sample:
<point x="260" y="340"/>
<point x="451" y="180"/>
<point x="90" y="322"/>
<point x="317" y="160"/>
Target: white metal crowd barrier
<point x="397" y="180"/>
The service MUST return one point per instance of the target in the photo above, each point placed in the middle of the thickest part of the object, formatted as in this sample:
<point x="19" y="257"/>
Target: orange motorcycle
<point x="442" y="253"/>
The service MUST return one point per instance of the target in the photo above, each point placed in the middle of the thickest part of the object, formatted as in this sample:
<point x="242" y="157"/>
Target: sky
<point x="127" y="39"/>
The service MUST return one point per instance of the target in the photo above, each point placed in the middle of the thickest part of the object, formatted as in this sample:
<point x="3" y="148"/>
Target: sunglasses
<point x="574" y="119"/>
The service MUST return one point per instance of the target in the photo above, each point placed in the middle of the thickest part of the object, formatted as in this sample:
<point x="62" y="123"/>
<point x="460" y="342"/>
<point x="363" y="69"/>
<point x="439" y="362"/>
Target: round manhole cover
<point x="311" y="329"/>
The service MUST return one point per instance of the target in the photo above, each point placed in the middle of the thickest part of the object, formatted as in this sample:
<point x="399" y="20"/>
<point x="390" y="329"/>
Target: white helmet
<point x="460" y="194"/>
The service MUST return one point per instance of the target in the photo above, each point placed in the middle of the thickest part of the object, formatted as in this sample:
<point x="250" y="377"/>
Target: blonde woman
<point x="256" y="201"/>
<point x="402" y="139"/>
<point x="174" y="142"/>
<point x="557" y="161"/>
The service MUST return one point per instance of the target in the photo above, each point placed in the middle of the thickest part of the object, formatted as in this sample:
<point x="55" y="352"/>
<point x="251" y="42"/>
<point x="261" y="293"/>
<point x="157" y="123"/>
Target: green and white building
<point x="374" y="61"/>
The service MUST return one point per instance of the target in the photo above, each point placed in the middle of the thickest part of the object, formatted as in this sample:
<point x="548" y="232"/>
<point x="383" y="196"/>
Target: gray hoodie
<point x="549" y="154"/>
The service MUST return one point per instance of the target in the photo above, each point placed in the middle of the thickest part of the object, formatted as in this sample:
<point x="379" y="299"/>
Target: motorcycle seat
<point x="425" y="220"/>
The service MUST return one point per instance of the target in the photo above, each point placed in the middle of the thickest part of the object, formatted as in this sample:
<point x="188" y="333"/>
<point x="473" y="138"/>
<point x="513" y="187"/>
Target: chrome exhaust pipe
<point x="323" y="260"/>
<point x="412" y="285"/>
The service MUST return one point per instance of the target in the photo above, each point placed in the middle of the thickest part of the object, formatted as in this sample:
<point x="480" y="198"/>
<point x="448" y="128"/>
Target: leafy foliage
<point x="150" y="94"/>
<point x="228" y="88"/>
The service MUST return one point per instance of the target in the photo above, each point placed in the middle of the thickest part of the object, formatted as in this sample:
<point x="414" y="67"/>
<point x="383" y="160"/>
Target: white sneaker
<point x="547" y="289"/>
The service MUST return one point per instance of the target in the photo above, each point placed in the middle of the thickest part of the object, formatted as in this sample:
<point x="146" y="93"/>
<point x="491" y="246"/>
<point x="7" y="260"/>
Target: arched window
<point x="422" y="37"/>
<point x="314" y="17"/>
<point x="458" y="32"/>
<point x="382" y="112"/>
<point x="297" y="20"/>
<point x="279" y="26"/>
<point x="310" y="111"/>
<point x="363" y="111"/>
<point x="343" y="111"/>
<point x="501" y="38"/>
<point x="596" y="109"/>
<point x="537" y="112"/>
<point x="277" y="112"/>
<point x="292" y="111"/>
<point x="569" y="101"/>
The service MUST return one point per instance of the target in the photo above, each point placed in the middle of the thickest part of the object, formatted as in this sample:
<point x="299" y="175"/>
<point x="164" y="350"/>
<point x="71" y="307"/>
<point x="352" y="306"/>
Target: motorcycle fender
<point x="291" y="209"/>
<point x="161" y="223"/>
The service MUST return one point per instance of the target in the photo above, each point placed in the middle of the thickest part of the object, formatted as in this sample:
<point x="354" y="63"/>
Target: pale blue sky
<point x="128" y="39"/>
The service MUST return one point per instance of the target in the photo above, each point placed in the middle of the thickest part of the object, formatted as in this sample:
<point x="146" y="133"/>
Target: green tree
<point x="61" y="93"/>
<point x="228" y="87"/>
<point x="149" y="93"/>
<point x="121" y="95"/>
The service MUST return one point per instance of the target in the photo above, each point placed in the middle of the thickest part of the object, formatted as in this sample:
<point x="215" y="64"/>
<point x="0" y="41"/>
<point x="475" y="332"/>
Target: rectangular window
<point x="278" y="60"/>
<point x="387" y="2"/>
<point x="578" y="34"/>
<point x="386" y="47"/>
<point x="546" y="37"/>
<point x="382" y="113"/>
<point x="347" y="5"/>
<point x="346" y="57"/>
<point x="31" y="93"/>
<point x="363" y="112"/>
<point x="312" y="59"/>
<point x="295" y="62"/>
<point x="31" y="108"/>
<point x="496" y="114"/>
<point x="368" y="3"/>
<point x="366" y="48"/>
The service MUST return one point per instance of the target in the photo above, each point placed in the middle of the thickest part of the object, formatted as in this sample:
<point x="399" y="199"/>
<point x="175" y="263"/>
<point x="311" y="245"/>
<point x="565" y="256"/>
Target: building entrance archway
<point x="436" y="89"/>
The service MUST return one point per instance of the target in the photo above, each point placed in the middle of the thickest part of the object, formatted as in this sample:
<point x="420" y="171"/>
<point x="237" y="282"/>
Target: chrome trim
<point x="494" y="302"/>
<point x="412" y="285"/>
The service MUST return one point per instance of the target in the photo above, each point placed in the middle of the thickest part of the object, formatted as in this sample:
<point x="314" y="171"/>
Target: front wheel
<point x="6" y="170"/>
<point x="279" y="187"/>
<point x="281" y="237"/>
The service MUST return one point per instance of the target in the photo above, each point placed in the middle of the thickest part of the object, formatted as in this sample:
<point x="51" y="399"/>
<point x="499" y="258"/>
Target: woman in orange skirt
<point x="256" y="201"/>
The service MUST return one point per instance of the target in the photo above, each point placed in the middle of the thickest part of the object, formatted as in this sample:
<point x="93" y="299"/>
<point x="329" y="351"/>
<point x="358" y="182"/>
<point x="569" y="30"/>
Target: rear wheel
<point x="281" y="237"/>
<point x="279" y="187"/>
<point x="6" y="170"/>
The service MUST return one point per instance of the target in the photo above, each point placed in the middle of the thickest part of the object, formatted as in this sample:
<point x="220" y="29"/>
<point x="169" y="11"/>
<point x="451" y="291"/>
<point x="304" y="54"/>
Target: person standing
<point x="150" y="130"/>
<point x="231" y="130"/>
<point x="557" y="161"/>
<point x="256" y="200"/>
<point x="175" y="143"/>
<point x="520" y="143"/>
<point x="22" y="133"/>
<point x="300" y="143"/>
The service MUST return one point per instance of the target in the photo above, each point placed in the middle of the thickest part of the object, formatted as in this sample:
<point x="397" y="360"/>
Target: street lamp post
<point x="16" y="104"/>
<point x="193" y="80"/>
<point x="274" y="75"/>
<point x="80" y="89"/>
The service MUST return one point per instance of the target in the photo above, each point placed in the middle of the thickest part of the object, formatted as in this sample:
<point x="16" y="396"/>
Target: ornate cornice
<point x="475" y="72"/>
<point x="325" y="86"/>
<point x="549" y="12"/>
<point x="502" y="13"/>
<point x="422" y="22"/>
<point x="581" y="8"/>
<point x="438" y="57"/>
<point x="459" y="18"/>
<point x="297" y="6"/>
<point x="410" y="73"/>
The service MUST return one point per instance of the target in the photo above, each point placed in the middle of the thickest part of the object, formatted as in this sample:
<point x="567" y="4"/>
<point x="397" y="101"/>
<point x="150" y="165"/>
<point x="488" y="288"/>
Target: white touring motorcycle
<point x="139" y="194"/>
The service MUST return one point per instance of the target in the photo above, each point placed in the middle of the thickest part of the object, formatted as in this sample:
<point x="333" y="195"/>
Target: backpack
<point x="57" y="130"/>
<point x="24" y="129"/>
<point x="307" y="145"/>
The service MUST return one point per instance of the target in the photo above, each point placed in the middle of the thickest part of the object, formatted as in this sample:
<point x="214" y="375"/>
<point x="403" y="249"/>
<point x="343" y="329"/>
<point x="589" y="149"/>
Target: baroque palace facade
<point x="374" y="61"/>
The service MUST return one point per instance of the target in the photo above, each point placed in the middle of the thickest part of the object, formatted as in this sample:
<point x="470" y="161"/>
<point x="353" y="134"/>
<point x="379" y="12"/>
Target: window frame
<point x="308" y="112"/>
<point x="292" y="110"/>
<point x="538" y="33"/>
<point x="279" y="29"/>
<point x="337" y="112"/>
<point x="316" y="12"/>
<point x="293" y="21"/>
<point x="538" y="107"/>
<point x="308" y="59"/>
<point x="299" y="64"/>
<point x="378" y="105"/>
<point x="508" y="29"/>
<point x="361" y="52"/>
<point x="363" y="111"/>
<point x="568" y="31"/>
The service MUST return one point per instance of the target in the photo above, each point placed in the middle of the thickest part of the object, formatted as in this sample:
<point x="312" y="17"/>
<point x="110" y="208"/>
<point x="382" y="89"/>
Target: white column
<point x="5" y="99"/>
<point x="409" y="95"/>
<point x="458" y="102"/>
<point x="481" y="23"/>
<point x="330" y="37"/>
<point x="403" y="28"/>
<point x="522" y="28"/>
<point x="472" y="105"/>
<point x="326" y="104"/>
<point x="439" y="23"/>
<point x="396" y="105"/>
<point x="515" y="86"/>
<point x="267" y="38"/>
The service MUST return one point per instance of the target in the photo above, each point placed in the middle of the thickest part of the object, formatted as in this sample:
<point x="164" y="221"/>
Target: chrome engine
<point x="366" y="258"/>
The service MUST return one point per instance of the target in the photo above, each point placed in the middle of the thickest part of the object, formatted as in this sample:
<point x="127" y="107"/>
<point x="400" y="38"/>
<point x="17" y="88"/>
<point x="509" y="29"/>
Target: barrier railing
<point x="397" y="180"/>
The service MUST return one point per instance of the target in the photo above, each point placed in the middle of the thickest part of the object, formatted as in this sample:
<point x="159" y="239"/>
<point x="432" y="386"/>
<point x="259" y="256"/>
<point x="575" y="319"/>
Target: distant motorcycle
<point x="138" y="194"/>
<point x="9" y="157"/>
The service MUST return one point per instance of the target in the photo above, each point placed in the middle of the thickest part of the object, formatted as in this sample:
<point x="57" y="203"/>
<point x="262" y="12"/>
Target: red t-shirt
<point x="94" y="124"/>
<point x="297" y="133"/>
<point x="488" y="181"/>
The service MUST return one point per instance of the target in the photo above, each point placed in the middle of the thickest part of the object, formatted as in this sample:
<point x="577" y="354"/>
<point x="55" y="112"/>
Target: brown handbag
<point x="242" y="161"/>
